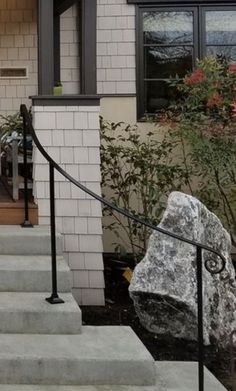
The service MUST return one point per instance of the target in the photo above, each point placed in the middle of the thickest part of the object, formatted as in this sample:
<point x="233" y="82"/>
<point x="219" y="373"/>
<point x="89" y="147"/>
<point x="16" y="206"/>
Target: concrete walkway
<point x="170" y="376"/>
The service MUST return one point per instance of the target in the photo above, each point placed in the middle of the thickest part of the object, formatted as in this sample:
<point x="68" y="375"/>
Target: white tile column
<point x="70" y="134"/>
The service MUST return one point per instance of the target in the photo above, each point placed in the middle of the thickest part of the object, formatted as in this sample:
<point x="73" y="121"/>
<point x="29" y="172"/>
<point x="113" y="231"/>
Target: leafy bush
<point x="138" y="174"/>
<point x="203" y="122"/>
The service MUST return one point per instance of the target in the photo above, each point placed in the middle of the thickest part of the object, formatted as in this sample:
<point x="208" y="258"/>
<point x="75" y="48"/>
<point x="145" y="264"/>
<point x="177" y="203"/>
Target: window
<point x="170" y="39"/>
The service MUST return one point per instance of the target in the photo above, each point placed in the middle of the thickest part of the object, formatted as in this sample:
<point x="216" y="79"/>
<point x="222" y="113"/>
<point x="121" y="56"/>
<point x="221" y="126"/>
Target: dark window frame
<point x="199" y="10"/>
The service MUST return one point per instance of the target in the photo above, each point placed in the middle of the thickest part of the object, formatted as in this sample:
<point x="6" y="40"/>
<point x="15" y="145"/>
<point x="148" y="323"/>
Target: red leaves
<point x="232" y="68"/>
<point x="196" y="77"/>
<point x="233" y="105"/>
<point x="215" y="100"/>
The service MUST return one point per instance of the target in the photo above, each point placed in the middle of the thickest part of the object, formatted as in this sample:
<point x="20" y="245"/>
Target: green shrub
<point x="137" y="174"/>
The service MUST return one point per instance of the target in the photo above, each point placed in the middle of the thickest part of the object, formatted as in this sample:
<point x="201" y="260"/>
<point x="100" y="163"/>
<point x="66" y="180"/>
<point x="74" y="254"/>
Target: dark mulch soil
<point x="119" y="310"/>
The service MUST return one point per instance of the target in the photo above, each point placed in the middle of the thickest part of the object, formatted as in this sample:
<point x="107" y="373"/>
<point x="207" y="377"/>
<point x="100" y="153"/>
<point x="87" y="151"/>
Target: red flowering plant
<point x="203" y="120"/>
<point x="207" y="98"/>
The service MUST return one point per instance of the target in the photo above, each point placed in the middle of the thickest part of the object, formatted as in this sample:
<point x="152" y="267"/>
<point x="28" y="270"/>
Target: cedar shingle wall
<point x="70" y="51"/>
<point x="115" y="47"/>
<point x="18" y="47"/>
<point x="71" y="137"/>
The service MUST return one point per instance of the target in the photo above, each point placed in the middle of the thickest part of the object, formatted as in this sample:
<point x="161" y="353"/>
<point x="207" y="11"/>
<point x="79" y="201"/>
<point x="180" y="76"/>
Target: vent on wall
<point x="13" y="73"/>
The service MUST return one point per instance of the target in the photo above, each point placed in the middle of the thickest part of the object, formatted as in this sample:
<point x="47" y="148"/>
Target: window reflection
<point x="157" y="95"/>
<point x="168" y="27"/>
<point x="170" y="47"/>
<point x="221" y="27"/>
<point x="163" y="62"/>
<point x="226" y="52"/>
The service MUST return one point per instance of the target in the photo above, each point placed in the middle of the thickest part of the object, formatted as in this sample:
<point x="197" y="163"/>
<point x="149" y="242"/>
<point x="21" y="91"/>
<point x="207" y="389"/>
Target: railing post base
<point x="54" y="299"/>
<point x="27" y="224"/>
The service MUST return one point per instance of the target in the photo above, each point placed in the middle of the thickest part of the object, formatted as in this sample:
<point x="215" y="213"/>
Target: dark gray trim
<point x="45" y="47"/>
<point x="118" y="95"/>
<point x="61" y="6"/>
<point x="88" y="39"/>
<point x="139" y="64"/>
<point x="66" y="100"/>
<point x="57" y="50"/>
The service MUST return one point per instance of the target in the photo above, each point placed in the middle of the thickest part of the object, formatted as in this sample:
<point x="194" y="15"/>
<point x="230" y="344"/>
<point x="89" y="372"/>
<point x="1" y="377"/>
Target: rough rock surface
<point x="163" y="286"/>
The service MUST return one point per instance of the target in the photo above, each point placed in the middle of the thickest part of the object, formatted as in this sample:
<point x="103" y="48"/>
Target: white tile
<point x="93" y="261"/>
<point x="67" y="155"/>
<point x="77" y="261"/>
<point x="73" y="138"/>
<point x="92" y="297"/>
<point x="88" y="243"/>
<point x="64" y="120"/>
<point x="81" y="120"/>
<point x="45" y="121"/>
<point x="71" y="243"/>
<point x="94" y="226"/>
<point x="96" y="279"/>
<point x="81" y="225"/>
<point x="68" y="225"/>
<point x="81" y="278"/>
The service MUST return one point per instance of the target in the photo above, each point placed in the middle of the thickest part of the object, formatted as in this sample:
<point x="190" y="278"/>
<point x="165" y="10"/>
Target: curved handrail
<point x="24" y="113"/>
<point x="55" y="299"/>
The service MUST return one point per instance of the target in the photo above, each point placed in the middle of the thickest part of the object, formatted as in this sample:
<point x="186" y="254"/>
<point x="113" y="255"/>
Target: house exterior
<point x="113" y="57"/>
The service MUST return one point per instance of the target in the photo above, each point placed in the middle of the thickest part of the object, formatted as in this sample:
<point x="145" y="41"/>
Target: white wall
<point x="18" y="47"/>
<point x="71" y="137"/>
<point x="70" y="74"/>
<point x="115" y="47"/>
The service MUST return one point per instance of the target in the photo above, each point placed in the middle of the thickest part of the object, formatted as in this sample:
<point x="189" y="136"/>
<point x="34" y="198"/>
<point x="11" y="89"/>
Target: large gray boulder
<point x="163" y="286"/>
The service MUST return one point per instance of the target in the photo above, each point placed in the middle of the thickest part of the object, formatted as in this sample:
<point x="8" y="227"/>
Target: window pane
<point x="163" y="62"/>
<point x="221" y="27"/>
<point x="157" y="95"/>
<point x="225" y="52"/>
<point x="168" y="27"/>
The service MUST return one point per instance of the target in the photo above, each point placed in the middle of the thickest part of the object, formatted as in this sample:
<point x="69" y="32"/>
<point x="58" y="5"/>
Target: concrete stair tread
<point x="30" y="313"/>
<point x="170" y="376"/>
<point x="100" y="355"/>
<point x="183" y="376"/>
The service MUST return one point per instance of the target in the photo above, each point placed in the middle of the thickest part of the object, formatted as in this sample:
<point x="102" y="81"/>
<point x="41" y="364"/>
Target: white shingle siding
<point x="18" y="48"/>
<point x="115" y="47"/>
<point x="78" y="215"/>
<point x="70" y="50"/>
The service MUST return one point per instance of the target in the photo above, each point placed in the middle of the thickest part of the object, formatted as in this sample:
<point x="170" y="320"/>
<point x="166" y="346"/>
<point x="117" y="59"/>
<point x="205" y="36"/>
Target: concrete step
<point x="170" y="376"/>
<point x="31" y="313"/>
<point x="17" y="240"/>
<point x="99" y="355"/>
<point x="25" y="273"/>
<point x="183" y="376"/>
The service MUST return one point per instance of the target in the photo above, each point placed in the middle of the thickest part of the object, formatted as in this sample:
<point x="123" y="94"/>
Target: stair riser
<point x="40" y="323"/>
<point x="33" y="281"/>
<point x="21" y="244"/>
<point x="16" y="216"/>
<point x="74" y="372"/>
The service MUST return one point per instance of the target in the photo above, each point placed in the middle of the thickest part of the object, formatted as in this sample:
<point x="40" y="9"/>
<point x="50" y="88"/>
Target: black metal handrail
<point x="55" y="299"/>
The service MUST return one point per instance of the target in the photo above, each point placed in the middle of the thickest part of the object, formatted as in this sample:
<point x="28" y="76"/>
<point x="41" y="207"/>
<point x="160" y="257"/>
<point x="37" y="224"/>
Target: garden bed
<point x="119" y="310"/>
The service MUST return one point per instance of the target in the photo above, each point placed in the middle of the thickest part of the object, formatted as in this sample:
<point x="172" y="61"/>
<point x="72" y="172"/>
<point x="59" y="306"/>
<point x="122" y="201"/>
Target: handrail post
<point x="54" y="298"/>
<point x="200" y="320"/>
<point x="26" y="223"/>
<point x="15" y="179"/>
